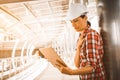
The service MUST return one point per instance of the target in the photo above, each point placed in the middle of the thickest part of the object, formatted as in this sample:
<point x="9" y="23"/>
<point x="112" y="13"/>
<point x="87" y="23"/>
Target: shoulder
<point x="92" y="32"/>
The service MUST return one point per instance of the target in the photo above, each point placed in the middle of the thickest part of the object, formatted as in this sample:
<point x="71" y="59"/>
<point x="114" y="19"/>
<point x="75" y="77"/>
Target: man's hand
<point x="61" y="63"/>
<point x="81" y="40"/>
<point x="78" y="71"/>
<point x="66" y="70"/>
<point x="63" y="68"/>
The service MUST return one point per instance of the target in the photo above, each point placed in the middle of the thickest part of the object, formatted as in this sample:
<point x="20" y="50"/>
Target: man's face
<point x="79" y="23"/>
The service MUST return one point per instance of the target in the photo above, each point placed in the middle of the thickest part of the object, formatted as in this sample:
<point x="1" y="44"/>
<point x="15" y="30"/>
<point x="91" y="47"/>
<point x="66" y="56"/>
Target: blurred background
<point x="28" y="25"/>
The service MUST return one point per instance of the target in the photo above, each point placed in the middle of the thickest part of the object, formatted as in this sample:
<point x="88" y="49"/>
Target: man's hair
<point x="88" y="23"/>
<point x="82" y="16"/>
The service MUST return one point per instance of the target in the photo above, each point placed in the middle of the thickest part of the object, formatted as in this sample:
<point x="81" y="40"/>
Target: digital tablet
<point x="52" y="56"/>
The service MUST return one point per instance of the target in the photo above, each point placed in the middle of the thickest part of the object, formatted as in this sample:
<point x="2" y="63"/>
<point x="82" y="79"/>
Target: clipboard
<point x="52" y="56"/>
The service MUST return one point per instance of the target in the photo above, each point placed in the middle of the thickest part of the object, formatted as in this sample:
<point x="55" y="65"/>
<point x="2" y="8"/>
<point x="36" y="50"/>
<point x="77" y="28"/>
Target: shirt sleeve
<point x="92" y="49"/>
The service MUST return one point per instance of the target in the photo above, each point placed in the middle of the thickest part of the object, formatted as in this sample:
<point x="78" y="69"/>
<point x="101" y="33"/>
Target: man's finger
<point x="60" y="63"/>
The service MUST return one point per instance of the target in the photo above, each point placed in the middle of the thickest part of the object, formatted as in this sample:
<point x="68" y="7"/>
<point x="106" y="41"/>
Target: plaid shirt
<point x="92" y="54"/>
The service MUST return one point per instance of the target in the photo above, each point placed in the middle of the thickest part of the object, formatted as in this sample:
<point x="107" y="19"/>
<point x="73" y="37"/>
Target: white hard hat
<point x="76" y="10"/>
<point x="100" y="4"/>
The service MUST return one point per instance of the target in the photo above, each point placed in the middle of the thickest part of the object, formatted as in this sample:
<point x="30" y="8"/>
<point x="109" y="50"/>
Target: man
<point x="89" y="53"/>
<point x="88" y="24"/>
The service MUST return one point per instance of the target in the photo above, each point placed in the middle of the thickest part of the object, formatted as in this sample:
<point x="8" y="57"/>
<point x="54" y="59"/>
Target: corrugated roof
<point x="36" y="21"/>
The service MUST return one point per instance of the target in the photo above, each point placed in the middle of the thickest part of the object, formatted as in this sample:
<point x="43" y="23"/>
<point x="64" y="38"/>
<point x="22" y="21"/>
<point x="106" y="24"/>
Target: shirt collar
<point x="87" y="30"/>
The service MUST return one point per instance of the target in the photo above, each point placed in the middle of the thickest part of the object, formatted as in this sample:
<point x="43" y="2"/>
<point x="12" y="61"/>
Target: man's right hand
<point x="81" y="40"/>
<point x="59" y="63"/>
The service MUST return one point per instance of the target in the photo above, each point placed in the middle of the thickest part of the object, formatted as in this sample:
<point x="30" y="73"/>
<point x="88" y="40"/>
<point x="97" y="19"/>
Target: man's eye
<point x="75" y="20"/>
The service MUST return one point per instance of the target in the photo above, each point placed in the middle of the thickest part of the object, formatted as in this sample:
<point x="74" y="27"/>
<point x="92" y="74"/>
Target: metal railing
<point x="12" y="66"/>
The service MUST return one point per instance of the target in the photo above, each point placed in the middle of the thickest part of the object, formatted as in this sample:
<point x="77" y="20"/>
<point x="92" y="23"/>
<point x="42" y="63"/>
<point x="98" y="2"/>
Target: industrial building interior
<point x="28" y="25"/>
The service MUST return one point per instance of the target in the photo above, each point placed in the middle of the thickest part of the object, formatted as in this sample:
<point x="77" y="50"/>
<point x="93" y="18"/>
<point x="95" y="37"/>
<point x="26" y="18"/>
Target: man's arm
<point x="78" y="71"/>
<point x="77" y="55"/>
<point x="92" y="47"/>
<point x="77" y="58"/>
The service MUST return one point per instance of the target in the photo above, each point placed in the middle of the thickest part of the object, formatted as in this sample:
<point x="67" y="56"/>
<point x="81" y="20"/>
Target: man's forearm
<point x="77" y="58"/>
<point x="82" y="71"/>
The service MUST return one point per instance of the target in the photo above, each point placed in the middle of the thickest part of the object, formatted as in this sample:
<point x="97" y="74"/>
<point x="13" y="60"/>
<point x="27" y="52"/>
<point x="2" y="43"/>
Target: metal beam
<point x="29" y="9"/>
<point x="9" y="12"/>
<point x="13" y="1"/>
<point x="6" y="10"/>
<point x="77" y="1"/>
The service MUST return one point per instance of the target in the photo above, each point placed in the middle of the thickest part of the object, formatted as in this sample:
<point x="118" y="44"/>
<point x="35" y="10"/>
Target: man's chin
<point x="78" y="30"/>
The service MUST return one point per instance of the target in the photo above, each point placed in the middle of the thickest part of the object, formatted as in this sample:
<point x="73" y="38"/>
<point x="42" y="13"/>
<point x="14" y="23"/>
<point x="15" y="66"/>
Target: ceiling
<point x="37" y="22"/>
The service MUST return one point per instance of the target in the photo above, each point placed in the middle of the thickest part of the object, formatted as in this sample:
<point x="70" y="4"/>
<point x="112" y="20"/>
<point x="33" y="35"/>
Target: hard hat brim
<point x="75" y="11"/>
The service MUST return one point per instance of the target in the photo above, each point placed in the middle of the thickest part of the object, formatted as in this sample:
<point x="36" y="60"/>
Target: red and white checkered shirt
<point x="92" y="54"/>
